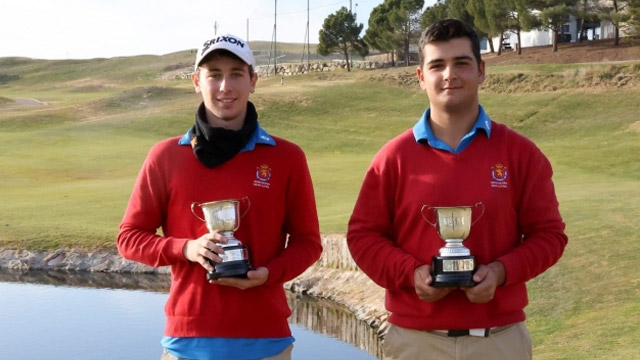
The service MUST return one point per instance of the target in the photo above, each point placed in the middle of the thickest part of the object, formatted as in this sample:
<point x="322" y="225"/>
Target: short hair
<point x="448" y="29"/>
<point x="224" y="53"/>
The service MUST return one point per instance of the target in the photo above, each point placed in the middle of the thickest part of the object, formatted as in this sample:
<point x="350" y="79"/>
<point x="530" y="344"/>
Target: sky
<point x="84" y="29"/>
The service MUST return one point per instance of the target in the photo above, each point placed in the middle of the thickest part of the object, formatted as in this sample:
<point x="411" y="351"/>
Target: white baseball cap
<point x="227" y="42"/>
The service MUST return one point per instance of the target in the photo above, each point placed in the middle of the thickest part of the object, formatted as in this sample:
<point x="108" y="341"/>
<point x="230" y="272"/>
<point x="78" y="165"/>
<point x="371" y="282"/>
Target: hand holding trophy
<point x="224" y="215"/>
<point x="455" y="266"/>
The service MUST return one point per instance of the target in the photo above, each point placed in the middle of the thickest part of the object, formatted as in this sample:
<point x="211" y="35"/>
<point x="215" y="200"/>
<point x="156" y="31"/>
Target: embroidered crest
<point x="263" y="175"/>
<point x="263" y="172"/>
<point x="499" y="173"/>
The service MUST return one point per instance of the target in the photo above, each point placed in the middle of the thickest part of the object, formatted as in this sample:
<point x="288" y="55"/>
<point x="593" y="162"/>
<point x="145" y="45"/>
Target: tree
<point x="586" y="11"/>
<point x="553" y="15"/>
<point x="498" y="18"/>
<point x="404" y="16"/>
<point x="521" y="19"/>
<point x="340" y="33"/>
<point x="617" y="14"/>
<point x="380" y="33"/>
<point x="457" y="9"/>
<point x="439" y="11"/>
<point x="478" y="10"/>
<point x="394" y="25"/>
<point x="634" y="12"/>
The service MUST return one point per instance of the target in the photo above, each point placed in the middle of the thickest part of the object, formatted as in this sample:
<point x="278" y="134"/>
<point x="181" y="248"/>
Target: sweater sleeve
<point x="301" y="224"/>
<point x="370" y="234"/>
<point x="543" y="238"/>
<point x="137" y="239"/>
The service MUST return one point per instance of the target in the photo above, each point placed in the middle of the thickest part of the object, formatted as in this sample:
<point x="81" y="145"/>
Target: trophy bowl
<point x="454" y="265"/>
<point x="224" y="216"/>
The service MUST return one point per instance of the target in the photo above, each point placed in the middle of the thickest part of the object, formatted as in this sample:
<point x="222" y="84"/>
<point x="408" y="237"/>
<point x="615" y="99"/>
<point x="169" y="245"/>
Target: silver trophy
<point x="224" y="215"/>
<point x="455" y="266"/>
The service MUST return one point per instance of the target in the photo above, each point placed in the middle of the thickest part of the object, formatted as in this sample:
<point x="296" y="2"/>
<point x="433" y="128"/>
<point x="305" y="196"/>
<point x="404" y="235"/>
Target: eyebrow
<point x="235" y="68"/>
<point x="457" y="58"/>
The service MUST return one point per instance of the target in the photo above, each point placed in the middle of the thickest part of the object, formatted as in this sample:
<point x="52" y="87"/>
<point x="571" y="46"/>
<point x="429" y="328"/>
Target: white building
<point x="568" y="33"/>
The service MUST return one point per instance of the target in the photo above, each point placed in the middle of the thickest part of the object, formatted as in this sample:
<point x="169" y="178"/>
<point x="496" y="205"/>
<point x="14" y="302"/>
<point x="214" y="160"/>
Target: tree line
<point x="396" y="24"/>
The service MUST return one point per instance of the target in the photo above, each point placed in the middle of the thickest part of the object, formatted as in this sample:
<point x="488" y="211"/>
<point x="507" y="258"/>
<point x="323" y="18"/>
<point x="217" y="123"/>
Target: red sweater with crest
<point x="521" y="225"/>
<point x="280" y="229"/>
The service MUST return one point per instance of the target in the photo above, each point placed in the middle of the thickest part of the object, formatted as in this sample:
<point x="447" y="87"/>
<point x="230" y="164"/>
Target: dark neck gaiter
<point x="214" y="145"/>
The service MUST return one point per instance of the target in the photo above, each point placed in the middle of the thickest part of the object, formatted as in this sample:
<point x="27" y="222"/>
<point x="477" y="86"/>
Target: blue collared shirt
<point x="422" y="132"/>
<point x="260" y="136"/>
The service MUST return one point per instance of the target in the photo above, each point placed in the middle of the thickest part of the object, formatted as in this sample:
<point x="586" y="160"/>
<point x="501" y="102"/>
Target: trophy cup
<point x="225" y="215"/>
<point x="455" y="266"/>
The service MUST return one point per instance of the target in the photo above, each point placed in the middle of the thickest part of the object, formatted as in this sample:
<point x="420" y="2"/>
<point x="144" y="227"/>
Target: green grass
<point x="67" y="169"/>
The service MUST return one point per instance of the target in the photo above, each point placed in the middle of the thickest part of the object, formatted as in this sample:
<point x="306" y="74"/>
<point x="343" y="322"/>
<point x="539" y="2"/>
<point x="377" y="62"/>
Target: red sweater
<point x="280" y="230"/>
<point x="521" y="226"/>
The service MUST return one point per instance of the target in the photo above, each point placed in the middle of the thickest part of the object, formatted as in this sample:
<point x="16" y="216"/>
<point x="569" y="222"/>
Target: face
<point x="225" y="85"/>
<point x="450" y="75"/>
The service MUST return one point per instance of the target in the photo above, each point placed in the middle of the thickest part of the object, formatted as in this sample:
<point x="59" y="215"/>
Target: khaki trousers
<point x="511" y="342"/>
<point x="284" y="355"/>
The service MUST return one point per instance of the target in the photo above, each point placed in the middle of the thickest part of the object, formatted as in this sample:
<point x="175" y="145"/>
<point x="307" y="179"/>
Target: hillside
<point x="134" y="68"/>
<point x="94" y="74"/>
<point x="570" y="53"/>
<point x="589" y="65"/>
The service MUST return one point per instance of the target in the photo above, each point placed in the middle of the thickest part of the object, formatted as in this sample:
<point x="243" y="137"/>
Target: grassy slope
<point x="68" y="168"/>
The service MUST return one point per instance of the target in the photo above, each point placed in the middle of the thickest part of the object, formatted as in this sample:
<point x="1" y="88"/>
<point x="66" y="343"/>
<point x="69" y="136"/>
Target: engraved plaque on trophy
<point x="454" y="266"/>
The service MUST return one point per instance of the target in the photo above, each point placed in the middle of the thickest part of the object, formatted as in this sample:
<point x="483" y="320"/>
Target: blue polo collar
<point x="260" y="136"/>
<point x="422" y="132"/>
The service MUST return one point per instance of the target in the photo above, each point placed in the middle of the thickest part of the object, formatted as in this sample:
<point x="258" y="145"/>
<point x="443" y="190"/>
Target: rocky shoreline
<point x="334" y="277"/>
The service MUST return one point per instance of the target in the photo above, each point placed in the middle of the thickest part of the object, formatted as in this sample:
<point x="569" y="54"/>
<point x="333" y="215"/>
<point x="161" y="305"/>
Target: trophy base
<point x="453" y="271"/>
<point x="237" y="269"/>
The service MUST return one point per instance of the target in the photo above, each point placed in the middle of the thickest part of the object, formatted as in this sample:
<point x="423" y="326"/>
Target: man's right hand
<point x="205" y="248"/>
<point x="422" y="279"/>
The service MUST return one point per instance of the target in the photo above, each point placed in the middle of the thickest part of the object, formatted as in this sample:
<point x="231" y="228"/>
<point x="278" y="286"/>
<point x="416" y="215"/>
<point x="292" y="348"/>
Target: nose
<point x="225" y="84"/>
<point x="449" y="73"/>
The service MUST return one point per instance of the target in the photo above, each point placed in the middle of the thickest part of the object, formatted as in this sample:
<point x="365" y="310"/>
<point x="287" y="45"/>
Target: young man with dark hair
<point x="225" y="155"/>
<point x="456" y="156"/>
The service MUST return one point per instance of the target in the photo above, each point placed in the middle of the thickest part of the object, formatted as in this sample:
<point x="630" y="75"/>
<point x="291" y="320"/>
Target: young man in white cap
<point x="225" y="155"/>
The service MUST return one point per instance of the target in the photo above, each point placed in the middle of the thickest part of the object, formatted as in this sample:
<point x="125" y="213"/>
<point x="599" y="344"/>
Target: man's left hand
<point x="487" y="278"/>
<point x="255" y="277"/>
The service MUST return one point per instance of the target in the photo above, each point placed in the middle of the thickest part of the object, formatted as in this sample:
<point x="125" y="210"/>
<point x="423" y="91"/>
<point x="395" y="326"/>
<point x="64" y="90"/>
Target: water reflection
<point x="326" y="317"/>
<point x="98" y="280"/>
<point x="319" y="315"/>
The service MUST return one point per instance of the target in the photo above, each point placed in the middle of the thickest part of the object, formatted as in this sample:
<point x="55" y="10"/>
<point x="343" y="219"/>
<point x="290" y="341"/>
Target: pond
<point x="100" y="316"/>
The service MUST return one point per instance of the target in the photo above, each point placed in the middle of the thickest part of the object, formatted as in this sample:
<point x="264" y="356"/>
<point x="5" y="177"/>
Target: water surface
<point x="93" y="322"/>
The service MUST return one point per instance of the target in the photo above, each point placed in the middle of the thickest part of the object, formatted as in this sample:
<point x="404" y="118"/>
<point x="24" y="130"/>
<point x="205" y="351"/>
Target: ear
<point x="253" y="80"/>
<point x="481" y="71"/>
<point x="420" y="74"/>
<point x="195" y="80"/>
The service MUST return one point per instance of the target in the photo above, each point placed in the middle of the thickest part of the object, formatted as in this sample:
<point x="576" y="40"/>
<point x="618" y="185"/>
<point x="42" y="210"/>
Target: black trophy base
<point x="236" y="269"/>
<point x="453" y="271"/>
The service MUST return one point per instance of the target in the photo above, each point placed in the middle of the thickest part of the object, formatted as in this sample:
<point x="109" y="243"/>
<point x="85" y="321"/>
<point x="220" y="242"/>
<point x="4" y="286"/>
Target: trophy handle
<point x="482" y="213"/>
<point x="422" y="213"/>
<point x="193" y="210"/>
<point x="246" y="198"/>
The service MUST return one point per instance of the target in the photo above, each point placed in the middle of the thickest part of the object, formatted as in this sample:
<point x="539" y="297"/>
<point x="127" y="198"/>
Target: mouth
<point x="227" y="100"/>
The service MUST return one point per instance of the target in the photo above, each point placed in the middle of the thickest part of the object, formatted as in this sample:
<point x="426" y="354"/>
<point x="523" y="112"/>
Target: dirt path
<point x="29" y="102"/>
